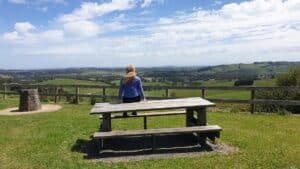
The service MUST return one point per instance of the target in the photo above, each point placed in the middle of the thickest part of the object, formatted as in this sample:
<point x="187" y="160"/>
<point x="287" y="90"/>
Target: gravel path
<point x="45" y="108"/>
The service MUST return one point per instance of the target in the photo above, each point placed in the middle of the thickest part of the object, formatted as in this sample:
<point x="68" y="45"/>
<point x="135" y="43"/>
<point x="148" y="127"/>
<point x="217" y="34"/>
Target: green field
<point x="61" y="81"/>
<point x="218" y="94"/>
<point x="45" y="141"/>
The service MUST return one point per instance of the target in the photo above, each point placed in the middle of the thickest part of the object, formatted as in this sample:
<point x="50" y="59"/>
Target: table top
<point x="102" y="108"/>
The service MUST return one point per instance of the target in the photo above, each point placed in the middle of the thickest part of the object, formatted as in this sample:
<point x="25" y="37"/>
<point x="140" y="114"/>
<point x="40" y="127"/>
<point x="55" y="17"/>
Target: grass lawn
<point x="44" y="141"/>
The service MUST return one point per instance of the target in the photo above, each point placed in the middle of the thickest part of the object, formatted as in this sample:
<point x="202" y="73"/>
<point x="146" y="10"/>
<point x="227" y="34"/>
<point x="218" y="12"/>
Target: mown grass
<point x="11" y="101"/>
<point x="45" y="140"/>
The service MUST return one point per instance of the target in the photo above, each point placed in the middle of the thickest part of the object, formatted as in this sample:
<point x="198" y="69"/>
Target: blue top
<point x="132" y="89"/>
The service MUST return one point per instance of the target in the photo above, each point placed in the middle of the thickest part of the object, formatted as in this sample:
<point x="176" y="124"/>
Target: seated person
<point x="131" y="89"/>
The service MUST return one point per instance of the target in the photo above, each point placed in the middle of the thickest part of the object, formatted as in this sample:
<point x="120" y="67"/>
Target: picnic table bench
<point x="194" y="124"/>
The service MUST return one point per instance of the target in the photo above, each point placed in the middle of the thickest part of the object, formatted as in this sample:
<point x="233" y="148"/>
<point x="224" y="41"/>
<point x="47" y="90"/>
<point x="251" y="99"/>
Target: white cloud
<point x="81" y="28"/>
<point x="51" y="36"/>
<point x="146" y="3"/>
<point x="259" y="30"/>
<point x="24" y="27"/>
<point x="90" y="10"/>
<point x="21" y="29"/>
<point x="11" y="36"/>
<point x="23" y="34"/>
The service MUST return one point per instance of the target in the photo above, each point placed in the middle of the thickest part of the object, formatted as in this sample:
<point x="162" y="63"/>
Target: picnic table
<point x="194" y="124"/>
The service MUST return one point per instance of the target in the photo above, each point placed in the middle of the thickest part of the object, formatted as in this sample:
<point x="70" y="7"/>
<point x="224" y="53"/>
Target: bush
<point x="93" y="101"/>
<point x="243" y="83"/>
<point x="292" y="78"/>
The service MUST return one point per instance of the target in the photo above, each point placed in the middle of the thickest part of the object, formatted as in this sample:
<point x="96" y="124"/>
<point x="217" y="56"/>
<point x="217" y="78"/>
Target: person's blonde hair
<point x="130" y="74"/>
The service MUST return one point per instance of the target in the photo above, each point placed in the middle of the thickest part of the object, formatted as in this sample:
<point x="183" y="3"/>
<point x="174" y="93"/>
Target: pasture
<point x="217" y="94"/>
<point x="47" y="140"/>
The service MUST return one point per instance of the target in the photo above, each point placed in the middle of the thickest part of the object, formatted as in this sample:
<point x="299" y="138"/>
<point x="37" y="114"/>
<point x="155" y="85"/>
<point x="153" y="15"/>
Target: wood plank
<point x="189" y="118"/>
<point x="201" y="116"/>
<point x="198" y="129"/>
<point x="106" y="123"/>
<point x="151" y="105"/>
<point x="201" y="121"/>
<point x="150" y="114"/>
<point x="259" y="101"/>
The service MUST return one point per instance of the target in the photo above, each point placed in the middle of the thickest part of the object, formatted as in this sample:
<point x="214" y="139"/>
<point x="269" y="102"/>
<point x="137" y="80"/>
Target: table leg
<point x="201" y="121"/>
<point x="106" y="122"/>
<point x="201" y="116"/>
<point x="189" y="117"/>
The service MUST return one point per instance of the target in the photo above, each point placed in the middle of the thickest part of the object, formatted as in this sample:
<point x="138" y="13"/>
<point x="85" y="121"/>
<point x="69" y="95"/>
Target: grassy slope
<point x="261" y="68"/>
<point x="71" y="82"/>
<point x="45" y="140"/>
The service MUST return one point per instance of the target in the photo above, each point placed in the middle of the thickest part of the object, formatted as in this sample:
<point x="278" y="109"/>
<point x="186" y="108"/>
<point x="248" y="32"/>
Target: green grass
<point x="218" y="83"/>
<point x="10" y="102"/>
<point x="216" y="94"/>
<point x="229" y="94"/>
<point x="62" y="81"/>
<point x="264" y="83"/>
<point x="45" y="140"/>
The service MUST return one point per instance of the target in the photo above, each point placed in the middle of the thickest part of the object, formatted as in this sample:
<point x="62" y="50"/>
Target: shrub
<point x="93" y="100"/>
<point x="292" y="78"/>
<point x="243" y="83"/>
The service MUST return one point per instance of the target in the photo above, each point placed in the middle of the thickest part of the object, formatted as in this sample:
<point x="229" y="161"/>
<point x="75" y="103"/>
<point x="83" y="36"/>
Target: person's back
<point x="131" y="89"/>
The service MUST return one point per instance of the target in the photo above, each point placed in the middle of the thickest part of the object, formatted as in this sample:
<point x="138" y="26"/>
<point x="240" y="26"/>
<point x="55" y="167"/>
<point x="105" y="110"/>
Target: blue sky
<point x="114" y="33"/>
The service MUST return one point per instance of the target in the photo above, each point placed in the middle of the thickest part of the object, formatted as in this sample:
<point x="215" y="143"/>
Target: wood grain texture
<point x="102" y="108"/>
<point x="150" y="114"/>
<point x="198" y="129"/>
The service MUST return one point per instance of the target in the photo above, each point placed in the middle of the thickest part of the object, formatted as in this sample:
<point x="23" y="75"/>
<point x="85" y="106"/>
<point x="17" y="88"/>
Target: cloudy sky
<point x="114" y="33"/>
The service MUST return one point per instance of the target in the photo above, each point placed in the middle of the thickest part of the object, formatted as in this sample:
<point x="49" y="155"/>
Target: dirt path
<point x="45" y="108"/>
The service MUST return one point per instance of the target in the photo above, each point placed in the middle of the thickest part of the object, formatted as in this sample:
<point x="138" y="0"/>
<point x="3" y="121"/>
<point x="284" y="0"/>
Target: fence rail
<point x="102" y="94"/>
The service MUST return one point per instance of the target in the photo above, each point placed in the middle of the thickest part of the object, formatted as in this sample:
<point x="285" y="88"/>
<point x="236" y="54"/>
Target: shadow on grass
<point x="137" y="146"/>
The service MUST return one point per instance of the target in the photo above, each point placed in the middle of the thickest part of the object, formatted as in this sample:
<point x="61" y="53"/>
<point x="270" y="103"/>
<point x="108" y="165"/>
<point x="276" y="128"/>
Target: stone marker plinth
<point x="29" y="100"/>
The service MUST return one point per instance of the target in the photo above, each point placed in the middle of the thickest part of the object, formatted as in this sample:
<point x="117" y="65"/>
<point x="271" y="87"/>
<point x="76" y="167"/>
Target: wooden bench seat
<point x="211" y="131"/>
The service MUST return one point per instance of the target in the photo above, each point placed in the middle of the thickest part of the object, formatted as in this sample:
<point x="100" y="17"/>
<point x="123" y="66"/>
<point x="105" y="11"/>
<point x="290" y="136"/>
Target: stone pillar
<point x="29" y="100"/>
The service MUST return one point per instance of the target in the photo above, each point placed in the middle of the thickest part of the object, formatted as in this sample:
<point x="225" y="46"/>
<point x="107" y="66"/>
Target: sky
<point x="114" y="33"/>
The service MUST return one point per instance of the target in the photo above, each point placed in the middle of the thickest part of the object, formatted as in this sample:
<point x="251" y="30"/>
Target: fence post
<point x="203" y="93"/>
<point x="167" y="92"/>
<point x="77" y="95"/>
<point x="4" y="94"/>
<point x="252" y="106"/>
<point x="55" y="95"/>
<point x="103" y="94"/>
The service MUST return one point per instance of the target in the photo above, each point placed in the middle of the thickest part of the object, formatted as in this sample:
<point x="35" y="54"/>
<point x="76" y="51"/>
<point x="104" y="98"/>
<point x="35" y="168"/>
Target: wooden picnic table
<point x="193" y="105"/>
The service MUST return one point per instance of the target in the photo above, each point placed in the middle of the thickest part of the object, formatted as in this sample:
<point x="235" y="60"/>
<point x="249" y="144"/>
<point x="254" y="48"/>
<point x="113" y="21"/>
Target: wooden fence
<point x="202" y="90"/>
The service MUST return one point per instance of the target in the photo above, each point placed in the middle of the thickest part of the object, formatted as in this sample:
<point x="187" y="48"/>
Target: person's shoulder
<point x="121" y="80"/>
<point x="137" y="78"/>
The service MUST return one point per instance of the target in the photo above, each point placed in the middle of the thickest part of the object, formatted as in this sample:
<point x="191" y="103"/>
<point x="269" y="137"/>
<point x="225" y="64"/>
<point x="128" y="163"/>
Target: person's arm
<point x="121" y="89"/>
<point x="141" y="90"/>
